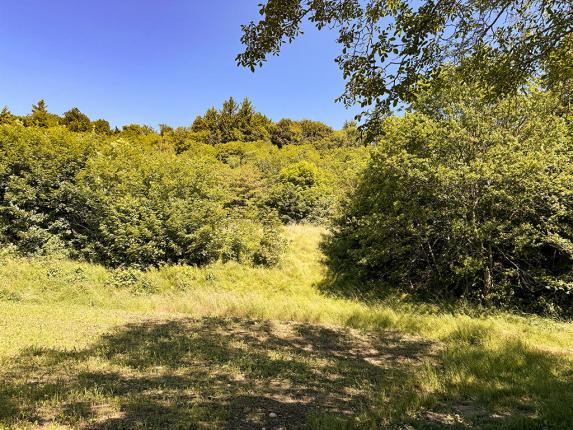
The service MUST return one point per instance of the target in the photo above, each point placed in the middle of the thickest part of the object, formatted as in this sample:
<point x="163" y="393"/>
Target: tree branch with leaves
<point x="390" y="47"/>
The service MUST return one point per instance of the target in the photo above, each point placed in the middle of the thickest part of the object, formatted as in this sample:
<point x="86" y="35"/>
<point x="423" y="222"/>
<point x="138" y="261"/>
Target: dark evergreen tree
<point x="75" y="120"/>
<point x="40" y="115"/>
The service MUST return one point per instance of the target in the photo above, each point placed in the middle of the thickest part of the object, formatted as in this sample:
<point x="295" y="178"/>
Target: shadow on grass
<point x="238" y="374"/>
<point x="352" y="287"/>
<point x="208" y="373"/>
<point x="492" y="381"/>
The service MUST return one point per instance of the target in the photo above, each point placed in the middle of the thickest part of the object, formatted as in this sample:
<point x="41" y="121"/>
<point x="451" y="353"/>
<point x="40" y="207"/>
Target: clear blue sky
<point x="151" y="62"/>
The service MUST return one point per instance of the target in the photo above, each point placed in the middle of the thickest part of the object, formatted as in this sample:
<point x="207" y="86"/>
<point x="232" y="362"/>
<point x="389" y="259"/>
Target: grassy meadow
<point x="234" y="346"/>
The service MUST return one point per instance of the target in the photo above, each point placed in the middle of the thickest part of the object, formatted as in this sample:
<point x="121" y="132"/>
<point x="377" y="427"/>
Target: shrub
<point x="241" y="240"/>
<point x="37" y="172"/>
<point x="142" y="208"/>
<point x="271" y="246"/>
<point x="139" y="198"/>
<point x="257" y="241"/>
<point x="272" y="242"/>
<point x="36" y="241"/>
<point x="132" y="280"/>
<point x="300" y="193"/>
<point x="473" y="202"/>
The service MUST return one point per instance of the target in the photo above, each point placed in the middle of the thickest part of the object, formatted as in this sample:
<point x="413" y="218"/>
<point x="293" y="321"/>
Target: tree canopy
<point x="389" y="47"/>
<point x="465" y="197"/>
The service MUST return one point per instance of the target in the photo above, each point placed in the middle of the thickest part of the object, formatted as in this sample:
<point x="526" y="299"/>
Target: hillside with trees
<point x="410" y="270"/>
<point x="218" y="189"/>
<point x="463" y="197"/>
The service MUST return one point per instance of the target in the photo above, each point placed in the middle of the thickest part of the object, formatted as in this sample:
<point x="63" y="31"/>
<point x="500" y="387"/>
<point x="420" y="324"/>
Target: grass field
<point x="230" y="346"/>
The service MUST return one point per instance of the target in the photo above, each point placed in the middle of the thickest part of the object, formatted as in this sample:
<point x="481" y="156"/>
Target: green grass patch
<point x="231" y="346"/>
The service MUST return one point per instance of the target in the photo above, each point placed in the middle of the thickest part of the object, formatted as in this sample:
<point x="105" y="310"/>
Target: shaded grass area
<point x="226" y="345"/>
<point x="234" y="373"/>
<point x="208" y="373"/>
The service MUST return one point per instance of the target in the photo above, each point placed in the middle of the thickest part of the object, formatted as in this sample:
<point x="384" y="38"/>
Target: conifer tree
<point x="6" y="116"/>
<point x="40" y="115"/>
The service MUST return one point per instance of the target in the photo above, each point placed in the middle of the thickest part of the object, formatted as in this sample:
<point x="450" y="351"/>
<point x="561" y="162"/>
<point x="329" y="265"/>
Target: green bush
<point x="139" y="198"/>
<point x="272" y="243"/>
<point x="253" y="242"/>
<point x="300" y="193"/>
<point x="38" y="167"/>
<point x="473" y="201"/>
<point x="145" y="207"/>
<point x="132" y="280"/>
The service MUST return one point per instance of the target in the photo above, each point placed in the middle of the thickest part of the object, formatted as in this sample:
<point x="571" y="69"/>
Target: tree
<point x="233" y="123"/>
<point x="228" y="124"/>
<point x="40" y="116"/>
<point x="559" y="72"/>
<point x="6" y="116"/>
<point x="466" y="198"/>
<point x="286" y="132"/>
<point x="38" y="169"/>
<point x="144" y="207"/>
<point x="208" y="126"/>
<point x="387" y="46"/>
<point x="77" y="121"/>
<point x="314" y="130"/>
<point x="300" y="193"/>
<point x="137" y="130"/>
<point x="165" y="130"/>
<point x="101" y="126"/>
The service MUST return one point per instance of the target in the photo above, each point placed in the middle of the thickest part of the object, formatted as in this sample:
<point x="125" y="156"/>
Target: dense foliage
<point x="135" y="197"/>
<point x="467" y="198"/>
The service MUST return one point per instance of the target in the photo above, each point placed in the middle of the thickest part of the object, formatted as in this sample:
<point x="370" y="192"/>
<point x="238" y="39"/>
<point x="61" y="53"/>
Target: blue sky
<point x="151" y="62"/>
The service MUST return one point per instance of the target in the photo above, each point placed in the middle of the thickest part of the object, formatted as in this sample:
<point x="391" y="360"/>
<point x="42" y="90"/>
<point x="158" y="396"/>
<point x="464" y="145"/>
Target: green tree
<point x="144" y="207"/>
<point x="466" y="198"/>
<point x="233" y="123"/>
<point x="40" y="116"/>
<point x="559" y="72"/>
<point x="314" y="130"/>
<point x="38" y="170"/>
<point x="101" y="126"/>
<point x="300" y="193"/>
<point x="286" y="132"/>
<point x="252" y="125"/>
<point x="207" y="126"/>
<point x="164" y="130"/>
<point x="228" y="122"/>
<point x="387" y="46"/>
<point x="6" y="116"/>
<point x="75" y="120"/>
<point x="137" y="130"/>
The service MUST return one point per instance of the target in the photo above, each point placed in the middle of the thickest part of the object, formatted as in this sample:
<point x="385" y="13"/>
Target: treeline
<point x="234" y="122"/>
<point x="217" y="190"/>
<point x="73" y="119"/>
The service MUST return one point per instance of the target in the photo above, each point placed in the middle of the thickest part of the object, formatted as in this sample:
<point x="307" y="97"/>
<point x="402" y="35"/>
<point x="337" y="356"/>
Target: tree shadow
<point x="352" y="286"/>
<point x="241" y="374"/>
<point x="206" y="373"/>
<point x="511" y="382"/>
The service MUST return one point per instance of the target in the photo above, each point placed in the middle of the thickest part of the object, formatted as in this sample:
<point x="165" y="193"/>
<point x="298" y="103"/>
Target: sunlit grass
<point x="498" y="369"/>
